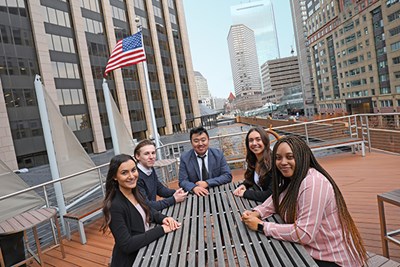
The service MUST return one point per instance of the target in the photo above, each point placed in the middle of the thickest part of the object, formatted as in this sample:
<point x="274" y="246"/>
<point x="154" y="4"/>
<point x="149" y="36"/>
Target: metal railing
<point x="369" y="127"/>
<point x="378" y="131"/>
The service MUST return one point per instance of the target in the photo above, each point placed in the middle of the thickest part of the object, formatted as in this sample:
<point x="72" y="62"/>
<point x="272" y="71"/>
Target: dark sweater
<point x="150" y="187"/>
<point x="254" y="192"/>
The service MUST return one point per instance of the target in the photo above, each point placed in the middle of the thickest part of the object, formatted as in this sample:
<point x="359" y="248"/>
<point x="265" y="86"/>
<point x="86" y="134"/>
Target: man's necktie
<point x="204" y="172"/>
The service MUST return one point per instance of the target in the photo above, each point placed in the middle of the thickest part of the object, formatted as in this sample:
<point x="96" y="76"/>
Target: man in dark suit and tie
<point x="202" y="167"/>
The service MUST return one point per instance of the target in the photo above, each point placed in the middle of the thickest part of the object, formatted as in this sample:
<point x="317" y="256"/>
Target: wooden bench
<point x="83" y="214"/>
<point x="339" y="143"/>
<point x="375" y="260"/>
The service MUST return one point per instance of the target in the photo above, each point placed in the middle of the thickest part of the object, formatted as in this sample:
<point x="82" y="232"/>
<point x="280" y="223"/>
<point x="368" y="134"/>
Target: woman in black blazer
<point x="258" y="158"/>
<point x="127" y="215"/>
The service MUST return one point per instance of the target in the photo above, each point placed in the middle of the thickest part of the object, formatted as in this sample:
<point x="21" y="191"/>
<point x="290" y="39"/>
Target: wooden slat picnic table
<point x="30" y="220"/>
<point x="212" y="234"/>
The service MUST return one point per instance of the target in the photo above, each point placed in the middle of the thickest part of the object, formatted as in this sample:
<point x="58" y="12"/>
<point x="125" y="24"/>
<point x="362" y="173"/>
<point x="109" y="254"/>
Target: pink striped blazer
<point x="317" y="225"/>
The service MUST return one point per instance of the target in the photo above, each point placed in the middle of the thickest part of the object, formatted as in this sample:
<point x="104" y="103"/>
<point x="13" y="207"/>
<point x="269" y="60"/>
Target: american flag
<point x="128" y="51"/>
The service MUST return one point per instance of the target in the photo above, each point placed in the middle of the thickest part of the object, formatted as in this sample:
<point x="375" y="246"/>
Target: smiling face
<point x="200" y="143"/>
<point x="127" y="176"/>
<point x="146" y="156"/>
<point x="256" y="144"/>
<point x="285" y="160"/>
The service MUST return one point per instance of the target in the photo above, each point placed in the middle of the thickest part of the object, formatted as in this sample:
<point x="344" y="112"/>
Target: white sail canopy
<point x="125" y="141"/>
<point x="11" y="183"/>
<point x="70" y="155"/>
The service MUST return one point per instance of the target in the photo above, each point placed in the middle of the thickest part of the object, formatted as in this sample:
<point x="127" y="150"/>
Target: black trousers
<point x="326" y="263"/>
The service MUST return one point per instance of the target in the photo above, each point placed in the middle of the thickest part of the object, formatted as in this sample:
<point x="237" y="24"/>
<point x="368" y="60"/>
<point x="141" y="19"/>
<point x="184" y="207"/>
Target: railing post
<point x="101" y="183"/>
<point x="46" y="198"/>
<point x="306" y="132"/>
<point x="350" y="126"/>
<point x="356" y="125"/>
<point x="368" y="134"/>
<point x="220" y="142"/>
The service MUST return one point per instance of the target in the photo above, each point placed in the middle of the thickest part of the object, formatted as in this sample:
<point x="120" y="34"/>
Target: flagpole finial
<point x="138" y="24"/>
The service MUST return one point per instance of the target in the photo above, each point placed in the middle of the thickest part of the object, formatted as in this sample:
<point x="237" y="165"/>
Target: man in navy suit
<point x="202" y="167"/>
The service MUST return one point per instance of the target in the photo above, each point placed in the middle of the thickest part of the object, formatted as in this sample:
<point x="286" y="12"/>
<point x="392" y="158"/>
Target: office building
<point x="355" y="55"/>
<point x="259" y="16"/>
<point x="245" y="68"/>
<point x="203" y="94"/>
<point x="201" y="85"/>
<point x="299" y="14"/>
<point x="278" y="75"/>
<point x="68" y="44"/>
<point x="219" y="103"/>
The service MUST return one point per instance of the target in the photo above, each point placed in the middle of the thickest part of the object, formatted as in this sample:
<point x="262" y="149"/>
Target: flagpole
<point x="152" y="115"/>
<point x="111" y="122"/>
<point x="51" y="154"/>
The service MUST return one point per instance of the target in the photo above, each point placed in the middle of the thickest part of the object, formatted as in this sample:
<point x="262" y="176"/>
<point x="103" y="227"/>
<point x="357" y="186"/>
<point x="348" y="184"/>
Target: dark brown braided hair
<point x="112" y="187"/>
<point x="305" y="160"/>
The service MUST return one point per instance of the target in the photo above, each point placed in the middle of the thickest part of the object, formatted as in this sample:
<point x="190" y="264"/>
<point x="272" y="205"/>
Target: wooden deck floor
<point x="359" y="178"/>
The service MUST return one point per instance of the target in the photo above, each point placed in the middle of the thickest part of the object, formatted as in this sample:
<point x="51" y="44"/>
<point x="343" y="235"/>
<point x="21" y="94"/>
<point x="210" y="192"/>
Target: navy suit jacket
<point x="189" y="171"/>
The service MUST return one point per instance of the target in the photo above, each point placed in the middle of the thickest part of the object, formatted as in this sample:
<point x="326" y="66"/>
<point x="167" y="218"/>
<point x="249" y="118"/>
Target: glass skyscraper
<point x="259" y="16"/>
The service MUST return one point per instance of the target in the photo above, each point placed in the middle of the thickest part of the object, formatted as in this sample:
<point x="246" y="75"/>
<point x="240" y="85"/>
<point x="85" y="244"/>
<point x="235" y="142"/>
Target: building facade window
<point x="394" y="31"/>
<point x="70" y="96"/>
<point x="93" y="26"/>
<point x="60" y="43"/>
<point x="385" y="90"/>
<point x="395" y="46"/>
<point x="394" y="16"/>
<point x="58" y="17"/>
<point x="65" y="70"/>
<point x="91" y="5"/>
<point x="386" y="103"/>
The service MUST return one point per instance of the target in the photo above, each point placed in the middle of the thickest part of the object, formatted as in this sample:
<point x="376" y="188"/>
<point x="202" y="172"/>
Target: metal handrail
<point x="52" y="182"/>
<point x="43" y="185"/>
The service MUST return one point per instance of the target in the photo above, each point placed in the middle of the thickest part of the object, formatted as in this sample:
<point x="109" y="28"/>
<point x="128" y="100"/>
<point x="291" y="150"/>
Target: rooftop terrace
<point x="359" y="178"/>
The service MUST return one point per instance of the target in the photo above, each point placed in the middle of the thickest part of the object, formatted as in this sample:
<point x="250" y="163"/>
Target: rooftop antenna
<point x="292" y="50"/>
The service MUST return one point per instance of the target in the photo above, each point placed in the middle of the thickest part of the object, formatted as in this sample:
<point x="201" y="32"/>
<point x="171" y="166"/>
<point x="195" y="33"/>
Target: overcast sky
<point x="208" y="23"/>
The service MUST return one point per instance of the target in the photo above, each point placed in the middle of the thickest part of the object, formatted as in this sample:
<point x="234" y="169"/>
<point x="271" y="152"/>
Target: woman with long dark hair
<point x="312" y="207"/>
<point x="127" y="215"/>
<point x="257" y="177"/>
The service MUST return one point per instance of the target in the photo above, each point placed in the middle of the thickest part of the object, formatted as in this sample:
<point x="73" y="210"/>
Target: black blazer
<point x="127" y="227"/>
<point x="254" y="192"/>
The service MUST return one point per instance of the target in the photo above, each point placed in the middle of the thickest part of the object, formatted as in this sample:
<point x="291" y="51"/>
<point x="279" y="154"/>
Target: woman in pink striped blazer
<point x="312" y="206"/>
